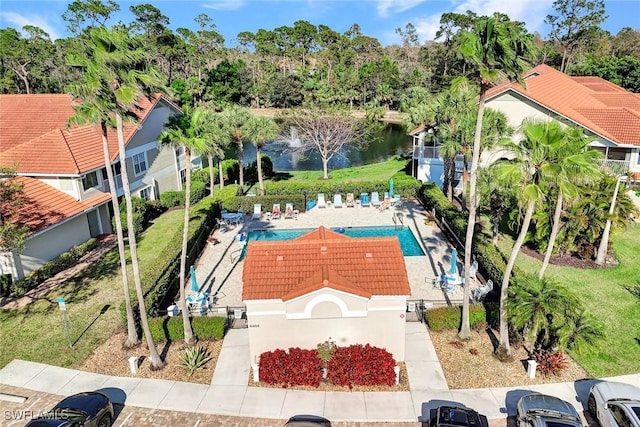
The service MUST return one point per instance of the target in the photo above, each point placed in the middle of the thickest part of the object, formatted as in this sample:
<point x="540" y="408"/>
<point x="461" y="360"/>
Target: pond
<point x="393" y="140"/>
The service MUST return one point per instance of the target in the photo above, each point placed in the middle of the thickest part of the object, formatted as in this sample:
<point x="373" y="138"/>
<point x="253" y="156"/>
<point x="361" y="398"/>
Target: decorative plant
<point x="551" y="362"/>
<point x="326" y="350"/>
<point x="295" y="367"/>
<point x="362" y="365"/>
<point x="194" y="358"/>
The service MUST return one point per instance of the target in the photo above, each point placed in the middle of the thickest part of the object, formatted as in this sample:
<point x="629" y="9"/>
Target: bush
<point x="201" y="175"/>
<point x="297" y="367"/>
<point x="194" y="358"/>
<point x="53" y="267"/>
<point x="141" y="215"/>
<point x="361" y="365"/>
<point x="231" y="170"/>
<point x="171" y="328"/>
<point x="170" y="199"/>
<point x="251" y="171"/>
<point x="550" y="362"/>
<point x="449" y="317"/>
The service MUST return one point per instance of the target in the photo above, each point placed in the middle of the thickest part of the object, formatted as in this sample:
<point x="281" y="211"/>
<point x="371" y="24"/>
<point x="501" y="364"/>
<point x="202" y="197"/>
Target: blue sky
<point x="377" y="18"/>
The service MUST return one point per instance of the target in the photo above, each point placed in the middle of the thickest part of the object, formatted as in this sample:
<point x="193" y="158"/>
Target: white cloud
<point x="532" y="12"/>
<point x="396" y="6"/>
<point x="224" y="5"/>
<point x="20" y="21"/>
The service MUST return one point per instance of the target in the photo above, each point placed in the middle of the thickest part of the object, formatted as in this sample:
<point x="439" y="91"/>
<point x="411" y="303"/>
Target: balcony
<point x="118" y="179"/>
<point x="614" y="167"/>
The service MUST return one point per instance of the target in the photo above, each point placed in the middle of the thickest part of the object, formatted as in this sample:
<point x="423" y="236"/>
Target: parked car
<point x="89" y="409"/>
<point x="307" y="421"/>
<point x="541" y="410"/>
<point x="455" y="416"/>
<point x="615" y="404"/>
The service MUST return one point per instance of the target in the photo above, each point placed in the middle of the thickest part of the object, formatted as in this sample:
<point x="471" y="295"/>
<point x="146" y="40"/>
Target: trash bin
<point x="173" y="310"/>
<point x="531" y="368"/>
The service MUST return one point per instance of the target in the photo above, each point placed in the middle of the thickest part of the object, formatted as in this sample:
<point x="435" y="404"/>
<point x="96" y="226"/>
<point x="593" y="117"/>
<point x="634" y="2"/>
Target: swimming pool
<point x="408" y="242"/>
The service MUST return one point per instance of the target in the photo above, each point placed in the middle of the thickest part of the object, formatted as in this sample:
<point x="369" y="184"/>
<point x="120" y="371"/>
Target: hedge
<point x="171" y="199"/>
<point x="53" y="267"/>
<point x="170" y="328"/>
<point x="449" y="317"/>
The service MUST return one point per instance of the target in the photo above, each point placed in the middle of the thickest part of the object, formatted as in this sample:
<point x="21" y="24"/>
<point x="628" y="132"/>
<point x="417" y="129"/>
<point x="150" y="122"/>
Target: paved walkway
<point x="229" y="393"/>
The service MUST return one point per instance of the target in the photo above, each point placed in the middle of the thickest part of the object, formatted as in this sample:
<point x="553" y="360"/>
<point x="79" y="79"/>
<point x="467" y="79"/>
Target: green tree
<point x="535" y="163"/>
<point x="218" y="139"/>
<point x="261" y="129"/>
<point x="235" y="120"/>
<point x="115" y="68"/>
<point x="576" y="23"/>
<point x="497" y="49"/>
<point x="12" y="234"/>
<point x="84" y="14"/>
<point x="187" y="130"/>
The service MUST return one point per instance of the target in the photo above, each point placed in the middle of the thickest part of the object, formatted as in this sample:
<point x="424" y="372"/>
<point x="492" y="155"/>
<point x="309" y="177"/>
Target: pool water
<point x="408" y="242"/>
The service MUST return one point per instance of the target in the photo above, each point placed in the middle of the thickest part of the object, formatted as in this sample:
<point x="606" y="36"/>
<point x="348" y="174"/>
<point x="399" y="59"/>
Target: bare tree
<point x="328" y="134"/>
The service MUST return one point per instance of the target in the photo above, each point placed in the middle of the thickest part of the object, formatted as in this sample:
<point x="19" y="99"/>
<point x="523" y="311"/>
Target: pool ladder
<point x="398" y="220"/>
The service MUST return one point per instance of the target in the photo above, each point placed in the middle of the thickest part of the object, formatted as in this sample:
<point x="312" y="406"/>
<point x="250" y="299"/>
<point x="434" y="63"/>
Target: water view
<point x="393" y="140"/>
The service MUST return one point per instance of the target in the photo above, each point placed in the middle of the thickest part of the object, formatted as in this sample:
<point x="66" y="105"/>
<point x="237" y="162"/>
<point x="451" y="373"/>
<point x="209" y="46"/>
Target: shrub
<point x="251" y="171"/>
<point x="141" y="215"/>
<point x="449" y="317"/>
<point x="201" y="175"/>
<point x="550" y="362"/>
<point x="171" y="328"/>
<point x="194" y="358"/>
<point x="231" y="170"/>
<point x="362" y="365"/>
<point x="296" y="367"/>
<point x="171" y="199"/>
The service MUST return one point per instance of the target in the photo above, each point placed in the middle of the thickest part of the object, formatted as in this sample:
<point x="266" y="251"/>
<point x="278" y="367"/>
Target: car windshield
<point x="67" y="414"/>
<point x="557" y="424"/>
<point x="636" y="410"/>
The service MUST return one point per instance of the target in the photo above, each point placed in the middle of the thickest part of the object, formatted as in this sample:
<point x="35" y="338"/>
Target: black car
<point x="455" y="416"/>
<point x="89" y="409"/>
<point x="307" y="421"/>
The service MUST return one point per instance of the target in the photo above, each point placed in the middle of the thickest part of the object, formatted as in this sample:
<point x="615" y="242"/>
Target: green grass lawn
<point x="607" y="294"/>
<point x="376" y="171"/>
<point x="36" y="332"/>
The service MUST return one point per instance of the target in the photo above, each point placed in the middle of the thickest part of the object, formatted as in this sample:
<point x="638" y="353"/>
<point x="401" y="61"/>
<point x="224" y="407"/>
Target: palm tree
<point x="217" y="139"/>
<point x="91" y="110"/>
<point x="235" y="119"/>
<point x="577" y="164"/>
<point x="116" y="67"/>
<point x="259" y="130"/>
<point x="535" y="163"/>
<point x="498" y="48"/>
<point x="187" y="130"/>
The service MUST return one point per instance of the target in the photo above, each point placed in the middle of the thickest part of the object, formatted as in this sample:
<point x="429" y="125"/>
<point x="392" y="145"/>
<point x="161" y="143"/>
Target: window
<point x="147" y="193"/>
<point x="139" y="163"/>
<point x="621" y="418"/>
<point x="179" y="151"/>
<point x="183" y="176"/>
<point x="90" y="180"/>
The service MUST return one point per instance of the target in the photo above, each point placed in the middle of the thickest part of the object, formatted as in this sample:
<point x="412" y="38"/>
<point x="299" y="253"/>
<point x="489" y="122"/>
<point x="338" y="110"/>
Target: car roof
<point x="535" y="401"/>
<point x="89" y="402"/>
<point x="614" y="390"/>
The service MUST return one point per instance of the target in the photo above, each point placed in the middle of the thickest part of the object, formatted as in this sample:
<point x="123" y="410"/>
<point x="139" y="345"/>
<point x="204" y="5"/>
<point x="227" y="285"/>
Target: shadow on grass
<point x="103" y="311"/>
<point x="282" y="176"/>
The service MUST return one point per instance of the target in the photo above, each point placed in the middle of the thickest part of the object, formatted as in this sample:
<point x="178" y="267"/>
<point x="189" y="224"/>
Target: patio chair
<point x="375" y="199"/>
<point x="337" y="200"/>
<point x="257" y="211"/>
<point x="481" y="291"/>
<point x="473" y="270"/>
<point x="288" y="211"/>
<point x="275" y="212"/>
<point x="222" y="224"/>
<point x="321" y="202"/>
<point x="350" y="201"/>
<point x="364" y="200"/>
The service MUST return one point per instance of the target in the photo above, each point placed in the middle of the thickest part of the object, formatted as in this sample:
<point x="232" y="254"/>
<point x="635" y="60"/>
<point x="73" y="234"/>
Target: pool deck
<point x="219" y="271"/>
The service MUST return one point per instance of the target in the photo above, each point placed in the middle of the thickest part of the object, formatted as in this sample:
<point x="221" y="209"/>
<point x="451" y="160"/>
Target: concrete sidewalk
<point x="229" y="393"/>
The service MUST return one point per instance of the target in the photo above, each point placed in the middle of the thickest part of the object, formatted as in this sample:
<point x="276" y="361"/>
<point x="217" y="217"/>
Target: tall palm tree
<point x="115" y="65"/>
<point x="235" y="119"/>
<point x="534" y="164"/>
<point x="91" y="110"/>
<point x="259" y="130"/>
<point x="577" y="164"/>
<point x="217" y="140"/>
<point x="187" y="130"/>
<point x="497" y="48"/>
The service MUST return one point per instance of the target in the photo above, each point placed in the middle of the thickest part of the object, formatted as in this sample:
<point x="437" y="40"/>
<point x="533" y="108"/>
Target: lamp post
<point x="604" y="243"/>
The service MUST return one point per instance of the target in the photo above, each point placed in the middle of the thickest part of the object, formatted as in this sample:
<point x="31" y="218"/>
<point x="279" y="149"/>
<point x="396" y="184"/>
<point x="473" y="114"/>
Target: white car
<point x="615" y="404"/>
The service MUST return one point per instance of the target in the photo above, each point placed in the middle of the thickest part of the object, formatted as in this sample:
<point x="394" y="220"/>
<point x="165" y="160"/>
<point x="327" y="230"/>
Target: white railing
<point x="614" y="167"/>
<point x="118" y="179"/>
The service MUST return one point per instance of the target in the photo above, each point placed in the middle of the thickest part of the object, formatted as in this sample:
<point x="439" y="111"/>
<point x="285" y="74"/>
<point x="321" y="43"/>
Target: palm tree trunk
<point x="186" y="323"/>
<point x="505" y="346"/>
<point x="212" y="180"/>
<point x="154" y="356"/>
<point x="259" y="165"/>
<point x="554" y="233"/>
<point x="220" y="173"/>
<point x="241" y="164"/>
<point x="465" y="328"/>
<point x="132" y="334"/>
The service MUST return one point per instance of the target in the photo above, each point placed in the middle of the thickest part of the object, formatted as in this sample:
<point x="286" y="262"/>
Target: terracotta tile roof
<point x="417" y="130"/>
<point x="45" y="206"/>
<point x="34" y="134"/>
<point x="323" y="258"/>
<point x="594" y="103"/>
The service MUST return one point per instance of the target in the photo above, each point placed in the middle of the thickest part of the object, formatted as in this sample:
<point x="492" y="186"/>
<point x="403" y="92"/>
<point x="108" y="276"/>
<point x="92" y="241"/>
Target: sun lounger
<point x="275" y="213"/>
<point x="337" y="200"/>
<point x="364" y="200"/>
<point x="321" y="202"/>
<point x="257" y="211"/>
<point x="288" y="211"/>
<point x="350" y="201"/>
<point x="375" y="199"/>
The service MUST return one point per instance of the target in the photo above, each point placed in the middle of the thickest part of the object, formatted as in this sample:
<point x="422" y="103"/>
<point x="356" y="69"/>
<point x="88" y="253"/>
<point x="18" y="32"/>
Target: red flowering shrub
<point x="362" y="365"/>
<point x="551" y="362"/>
<point x="297" y="367"/>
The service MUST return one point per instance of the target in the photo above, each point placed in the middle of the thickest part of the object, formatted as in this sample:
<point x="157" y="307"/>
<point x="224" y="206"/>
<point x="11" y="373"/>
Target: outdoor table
<point x="232" y="217"/>
<point x="448" y="281"/>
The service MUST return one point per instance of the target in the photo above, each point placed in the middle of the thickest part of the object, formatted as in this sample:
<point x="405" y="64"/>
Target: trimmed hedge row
<point x="449" y="317"/>
<point x="144" y="211"/>
<point x="53" y="267"/>
<point x="170" y="328"/>
<point x="171" y="199"/>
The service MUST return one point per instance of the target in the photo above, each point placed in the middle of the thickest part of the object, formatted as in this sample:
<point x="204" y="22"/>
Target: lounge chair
<point x="337" y="200"/>
<point x="481" y="291"/>
<point x="364" y="200"/>
<point x="275" y="213"/>
<point x="257" y="211"/>
<point x="288" y="211"/>
<point x="321" y="202"/>
<point x="350" y="201"/>
<point x="375" y="199"/>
